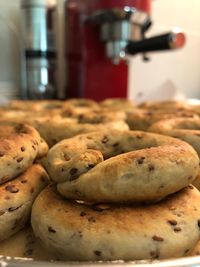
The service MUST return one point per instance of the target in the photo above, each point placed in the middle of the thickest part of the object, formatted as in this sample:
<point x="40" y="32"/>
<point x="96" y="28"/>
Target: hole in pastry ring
<point x="20" y="145"/>
<point x="187" y="129"/>
<point x="168" y="229"/>
<point x="17" y="197"/>
<point x="153" y="167"/>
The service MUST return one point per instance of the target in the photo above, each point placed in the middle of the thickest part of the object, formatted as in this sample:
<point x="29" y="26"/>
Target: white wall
<point x="170" y="74"/>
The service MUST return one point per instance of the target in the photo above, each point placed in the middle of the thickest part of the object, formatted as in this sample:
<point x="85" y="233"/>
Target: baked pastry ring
<point x="20" y="145"/>
<point x="142" y="119"/>
<point x="55" y="130"/>
<point x="16" y="199"/>
<point x="35" y="105"/>
<point x="122" y="104"/>
<point x="166" y="105"/>
<point x="153" y="167"/>
<point x="187" y="129"/>
<point x="79" y="232"/>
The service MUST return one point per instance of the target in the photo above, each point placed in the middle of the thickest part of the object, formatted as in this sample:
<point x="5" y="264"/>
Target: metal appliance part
<point x="123" y="32"/>
<point x="39" y="52"/>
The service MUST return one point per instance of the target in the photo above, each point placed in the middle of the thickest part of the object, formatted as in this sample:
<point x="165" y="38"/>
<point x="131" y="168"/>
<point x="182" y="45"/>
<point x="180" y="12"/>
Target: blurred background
<point x="174" y="74"/>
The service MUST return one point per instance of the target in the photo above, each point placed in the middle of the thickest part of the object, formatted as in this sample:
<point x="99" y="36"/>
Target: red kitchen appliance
<point x="100" y="37"/>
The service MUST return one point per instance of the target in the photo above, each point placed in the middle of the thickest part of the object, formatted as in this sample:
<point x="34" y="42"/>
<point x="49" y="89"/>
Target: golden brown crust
<point x="187" y="129"/>
<point x="142" y="119"/>
<point x="35" y="105"/>
<point x="117" y="104"/>
<point x="110" y="232"/>
<point x="17" y="197"/>
<point x="165" y="105"/>
<point x="54" y="128"/>
<point x="20" y="145"/>
<point x="153" y="167"/>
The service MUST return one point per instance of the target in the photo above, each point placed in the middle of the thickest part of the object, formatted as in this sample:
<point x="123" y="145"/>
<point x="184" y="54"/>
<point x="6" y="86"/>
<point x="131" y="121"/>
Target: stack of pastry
<point x="119" y="195"/>
<point x="117" y="192"/>
<point x="21" y="179"/>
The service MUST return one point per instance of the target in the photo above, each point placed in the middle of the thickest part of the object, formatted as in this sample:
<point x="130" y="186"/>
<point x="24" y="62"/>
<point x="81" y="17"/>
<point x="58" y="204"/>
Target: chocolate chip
<point x="23" y="148"/>
<point x="11" y="189"/>
<point x="91" y="219"/>
<point x="73" y="171"/>
<point x="104" y="140"/>
<point x="148" y="113"/>
<point x="172" y="222"/>
<point x="35" y="142"/>
<point x="154" y="254"/>
<point x="151" y="168"/>
<point x="16" y="223"/>
<point x="2" y="212"/>
<point x="43" y="179"/>
<point x="190" y="186"/>
<point x="98" y="253"/>
<point x="23" y="181"/>
<point x="51" y="230"/>
<point x="177" y="229"/>
<point x="1" y="154"/>
<point x="32" y="190"/>
<point x="82" y="214"/>
<point x="21" y="128"/>
<point x="115" y="144"/>
<point x="157" y="238"/>
<point x="80" y="234"/>
<point x="186" y="251"/>
<point x="66" y="157"/>
<point x="33" y="147"/>
<point x="141" y="160"/>
<point x="198" y="223"/>
<point x="19" y="159"/>
<point x="13" y="209"/>
<point x="90" y="166"/>
<point x="139" y="136"/>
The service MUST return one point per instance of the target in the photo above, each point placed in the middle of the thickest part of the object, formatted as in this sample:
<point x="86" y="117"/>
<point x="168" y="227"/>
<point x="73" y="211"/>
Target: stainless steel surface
<point x="40" y="83"/>
<point x="34" y="24"/>
<point x="182" y="262"/>
<point x="38" y="71"/>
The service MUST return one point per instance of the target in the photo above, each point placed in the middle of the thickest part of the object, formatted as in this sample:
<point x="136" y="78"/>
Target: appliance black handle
<point x="166" y="41"/>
